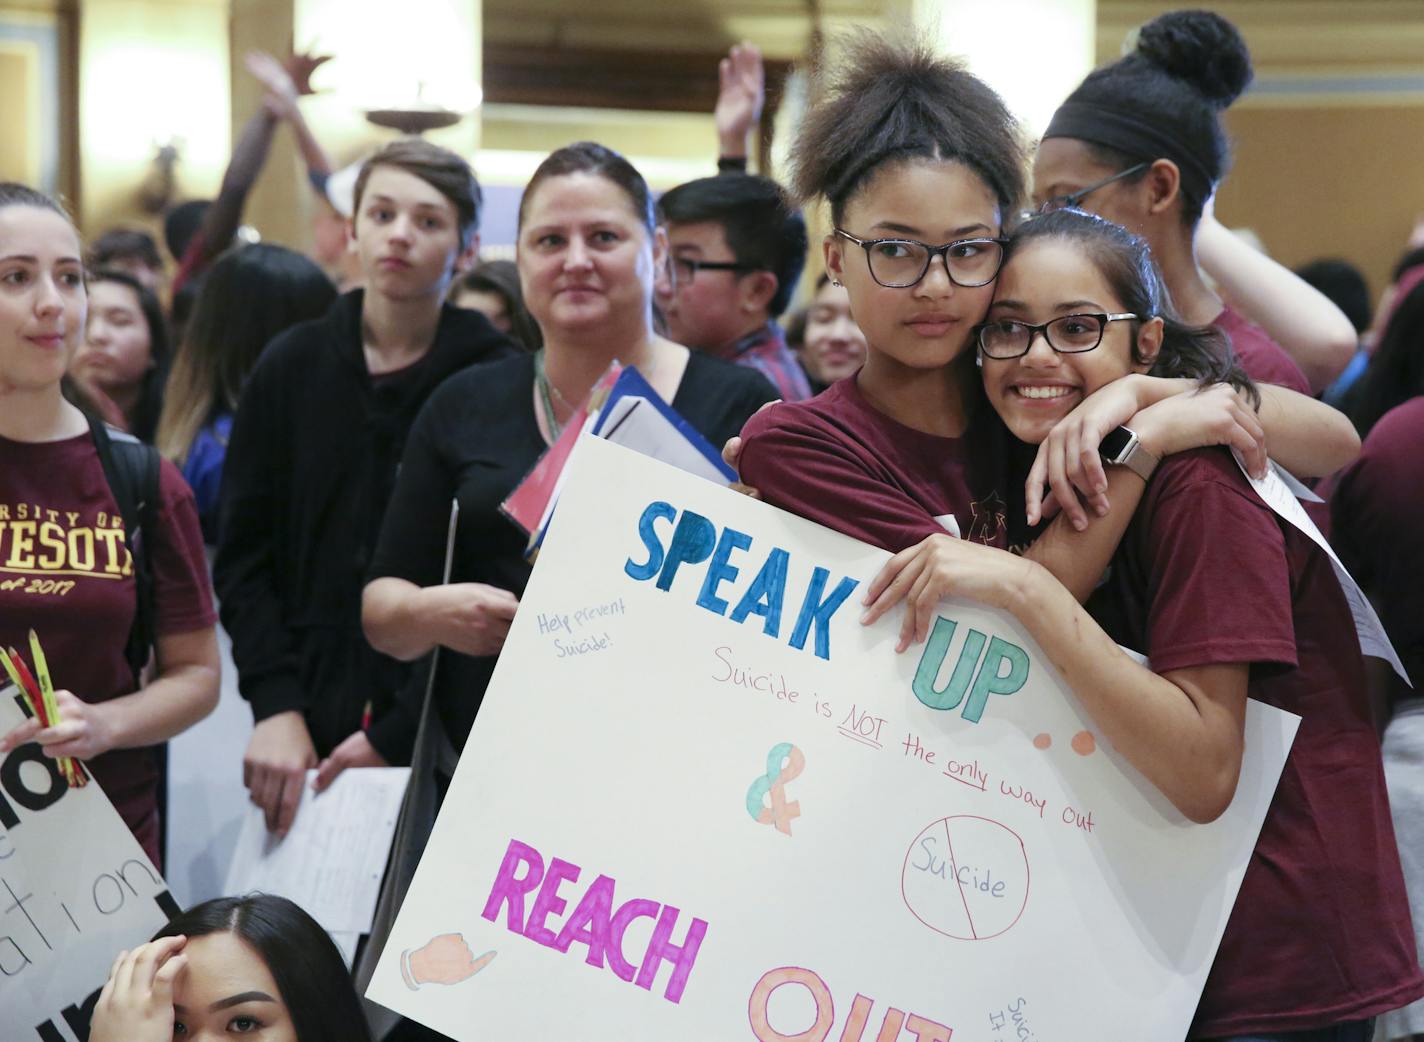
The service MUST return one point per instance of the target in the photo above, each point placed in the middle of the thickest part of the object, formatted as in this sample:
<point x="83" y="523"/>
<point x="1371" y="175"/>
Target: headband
<point x="1125" y="133"/>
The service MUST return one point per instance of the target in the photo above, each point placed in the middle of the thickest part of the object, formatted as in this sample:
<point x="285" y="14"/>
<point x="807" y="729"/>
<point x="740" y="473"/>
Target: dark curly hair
<point x="892" y="98"/>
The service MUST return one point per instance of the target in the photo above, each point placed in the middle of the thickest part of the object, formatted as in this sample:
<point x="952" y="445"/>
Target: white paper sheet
<point x="637" y="425"/>
<point x="332" y="860"/>
<point x="1277" y="491"/>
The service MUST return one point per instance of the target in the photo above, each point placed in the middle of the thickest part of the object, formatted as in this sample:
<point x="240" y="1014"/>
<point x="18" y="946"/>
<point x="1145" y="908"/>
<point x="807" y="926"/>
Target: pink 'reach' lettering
<point x="593" y="923"/>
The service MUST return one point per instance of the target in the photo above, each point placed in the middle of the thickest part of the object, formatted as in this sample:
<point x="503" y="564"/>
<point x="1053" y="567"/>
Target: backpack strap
<point x="131" y="469"/>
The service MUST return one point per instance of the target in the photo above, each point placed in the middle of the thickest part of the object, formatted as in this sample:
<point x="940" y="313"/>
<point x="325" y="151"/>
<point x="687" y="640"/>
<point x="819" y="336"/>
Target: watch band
<point x="1134" y="456"/>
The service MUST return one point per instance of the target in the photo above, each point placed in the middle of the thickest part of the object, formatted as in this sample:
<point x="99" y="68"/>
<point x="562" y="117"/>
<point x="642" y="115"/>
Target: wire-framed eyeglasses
<point x="902" y="263"/>
<point x="1067" y="334"/>
<point x="1074" y="200"/>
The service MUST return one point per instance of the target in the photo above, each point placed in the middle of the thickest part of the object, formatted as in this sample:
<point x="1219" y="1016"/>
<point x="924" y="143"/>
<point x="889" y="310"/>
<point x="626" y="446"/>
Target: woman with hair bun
<point x="1140" y="142"/>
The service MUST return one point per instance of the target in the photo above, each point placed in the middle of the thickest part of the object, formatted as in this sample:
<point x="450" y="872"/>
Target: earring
<point x="835" y="284"/>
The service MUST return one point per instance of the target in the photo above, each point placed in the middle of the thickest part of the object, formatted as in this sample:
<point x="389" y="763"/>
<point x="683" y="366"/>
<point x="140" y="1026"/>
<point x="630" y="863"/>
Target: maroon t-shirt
<point x="66" y="574"/>
<point x="1378" y="505"/>
<point x="1264" y="360"/>
<point x="842" y="463"/>
<point x="1207" y="574"/>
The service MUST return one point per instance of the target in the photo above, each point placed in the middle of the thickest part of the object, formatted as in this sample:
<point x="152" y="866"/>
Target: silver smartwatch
<point x="1121" y="447"/>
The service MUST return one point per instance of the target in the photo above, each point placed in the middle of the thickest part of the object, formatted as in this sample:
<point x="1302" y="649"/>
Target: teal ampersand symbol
<point x="783" y="763"/>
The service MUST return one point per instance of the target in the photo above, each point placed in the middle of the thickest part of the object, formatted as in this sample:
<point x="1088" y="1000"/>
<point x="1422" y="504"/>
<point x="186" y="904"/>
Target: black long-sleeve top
<point x="475" y="441"/>
<point x="310" y="467"/>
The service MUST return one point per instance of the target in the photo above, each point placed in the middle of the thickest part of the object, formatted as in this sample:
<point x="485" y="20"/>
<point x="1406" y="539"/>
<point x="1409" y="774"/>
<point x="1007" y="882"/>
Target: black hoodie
<point x="310" y="467"/>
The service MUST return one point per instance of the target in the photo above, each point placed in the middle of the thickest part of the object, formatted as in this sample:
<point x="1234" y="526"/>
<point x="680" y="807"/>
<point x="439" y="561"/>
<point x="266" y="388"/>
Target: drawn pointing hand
<point x="446" y="959"/>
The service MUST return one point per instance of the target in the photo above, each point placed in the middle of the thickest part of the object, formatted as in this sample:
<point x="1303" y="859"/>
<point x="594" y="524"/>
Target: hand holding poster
<point x="75" y="890"/>
<point x="702" y="801"/>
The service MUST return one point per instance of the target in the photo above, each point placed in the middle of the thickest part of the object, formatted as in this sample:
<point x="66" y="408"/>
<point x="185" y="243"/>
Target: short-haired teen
<point x="738" y="246"/>
<point x="312" y="463"/>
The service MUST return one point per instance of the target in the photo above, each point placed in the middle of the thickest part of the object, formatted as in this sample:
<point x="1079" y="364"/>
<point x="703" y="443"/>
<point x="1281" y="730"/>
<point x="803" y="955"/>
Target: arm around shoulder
<point x="1313" y="331"/>
<point x="1307" y="437"/>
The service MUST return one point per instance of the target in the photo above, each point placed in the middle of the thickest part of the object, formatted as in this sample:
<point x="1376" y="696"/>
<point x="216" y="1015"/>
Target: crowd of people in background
<point x="289" y="431"/>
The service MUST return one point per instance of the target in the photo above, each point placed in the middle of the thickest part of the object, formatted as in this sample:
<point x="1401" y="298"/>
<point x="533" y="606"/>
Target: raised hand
<point x="268" y="71"/>
<point x="741" y="93"/>
<point x="300" y="65"/>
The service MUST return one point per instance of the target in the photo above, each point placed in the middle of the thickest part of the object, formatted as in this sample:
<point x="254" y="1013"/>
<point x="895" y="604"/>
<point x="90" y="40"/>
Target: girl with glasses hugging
<point x="911" y="148"/>
<point x="1227" y="601"/>
<point x="920" y="163"/>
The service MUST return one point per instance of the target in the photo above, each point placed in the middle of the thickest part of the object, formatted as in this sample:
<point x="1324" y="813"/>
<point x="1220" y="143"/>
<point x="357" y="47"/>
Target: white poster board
<point x="75" y="890"/>
<point x="726" y="810"/>
<point x="332" y="859"/>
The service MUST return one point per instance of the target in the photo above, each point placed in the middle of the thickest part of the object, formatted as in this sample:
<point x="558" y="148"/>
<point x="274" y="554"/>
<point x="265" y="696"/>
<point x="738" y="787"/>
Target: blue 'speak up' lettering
<point x="695" y="540"/>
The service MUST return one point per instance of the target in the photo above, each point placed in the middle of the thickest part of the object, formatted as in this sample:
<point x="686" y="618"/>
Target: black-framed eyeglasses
<point x="902" y="263"/>
<point x="1074" y="200"/>
<point x="1067" y="334"/>
<point x="685" y="269"/>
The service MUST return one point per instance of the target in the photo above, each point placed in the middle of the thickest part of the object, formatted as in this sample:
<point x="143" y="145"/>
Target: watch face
<point x="1115" y="443"/>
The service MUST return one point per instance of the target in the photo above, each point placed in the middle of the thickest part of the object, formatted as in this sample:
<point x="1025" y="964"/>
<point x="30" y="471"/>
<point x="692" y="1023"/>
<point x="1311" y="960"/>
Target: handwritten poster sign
<point x="75" y="889"/>
<point x="702" y="801"/>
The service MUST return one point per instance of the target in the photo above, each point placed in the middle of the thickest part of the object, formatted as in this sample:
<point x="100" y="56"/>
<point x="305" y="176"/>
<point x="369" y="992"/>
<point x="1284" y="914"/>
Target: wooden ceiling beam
<point x="597" y="78"/>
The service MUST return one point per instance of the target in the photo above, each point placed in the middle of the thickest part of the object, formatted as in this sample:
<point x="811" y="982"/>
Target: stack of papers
<point x="623" y="408"/>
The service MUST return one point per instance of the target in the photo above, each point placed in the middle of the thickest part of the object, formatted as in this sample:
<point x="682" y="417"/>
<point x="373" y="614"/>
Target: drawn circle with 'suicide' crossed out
<point x="966" y="877"/>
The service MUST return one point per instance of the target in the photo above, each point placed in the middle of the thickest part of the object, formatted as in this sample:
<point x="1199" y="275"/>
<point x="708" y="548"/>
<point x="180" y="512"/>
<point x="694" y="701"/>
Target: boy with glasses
<point x="738" y="247"/>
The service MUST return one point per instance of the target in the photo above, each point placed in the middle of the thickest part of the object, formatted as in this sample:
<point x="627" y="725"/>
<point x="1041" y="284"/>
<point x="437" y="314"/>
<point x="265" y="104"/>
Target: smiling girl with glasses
<point x="1227" y="601"/>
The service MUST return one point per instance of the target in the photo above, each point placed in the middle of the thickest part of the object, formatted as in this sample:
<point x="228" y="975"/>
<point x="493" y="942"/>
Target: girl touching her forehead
<point x="256" y="968"/>
<point x="1227" y="601"/>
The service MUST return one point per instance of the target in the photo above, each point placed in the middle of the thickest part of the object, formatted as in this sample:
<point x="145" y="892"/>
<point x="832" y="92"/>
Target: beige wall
<point x="149" y="70"/>
<point x="1342" y="180"/>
